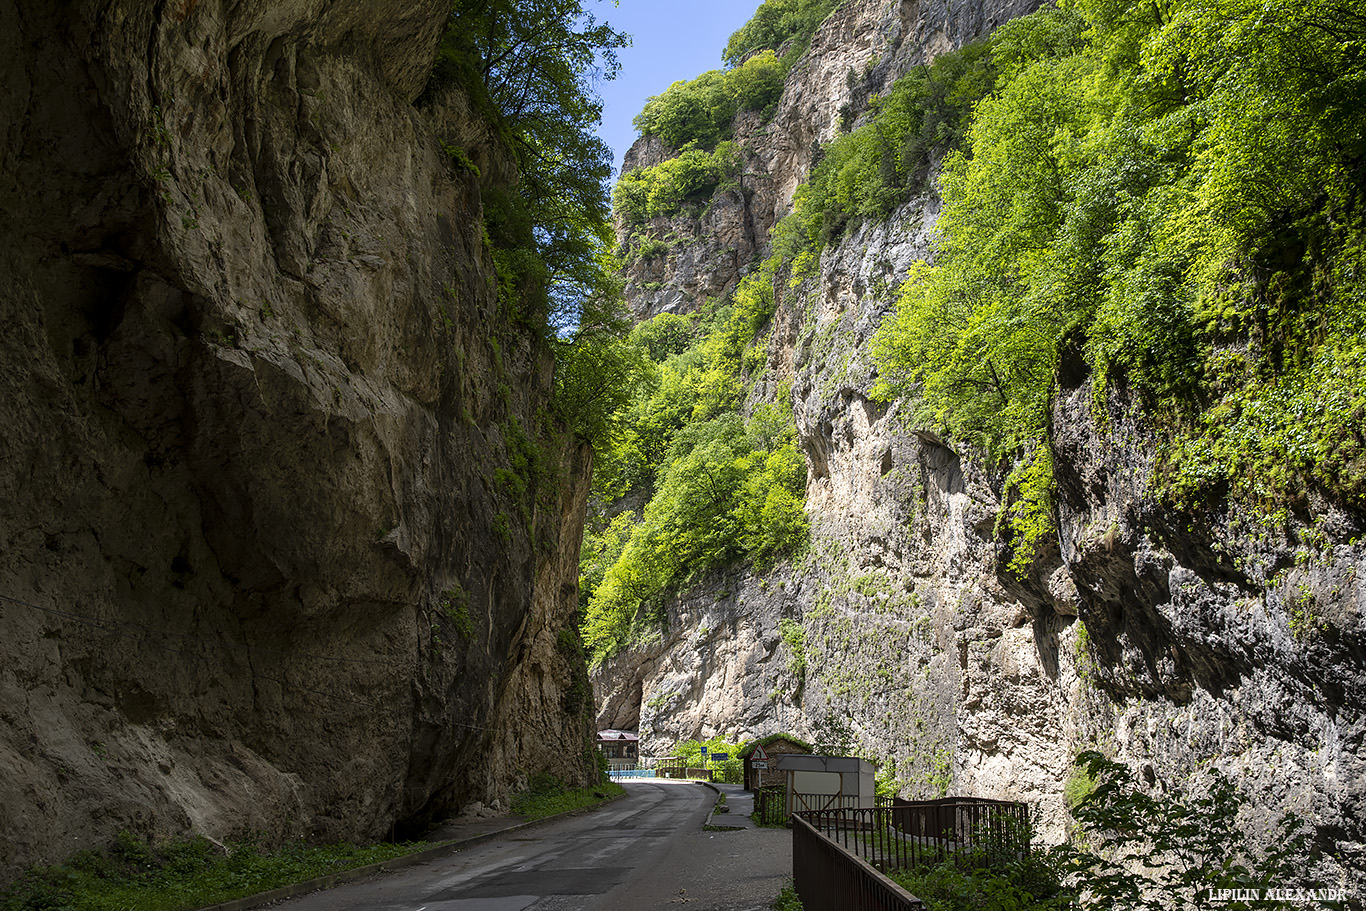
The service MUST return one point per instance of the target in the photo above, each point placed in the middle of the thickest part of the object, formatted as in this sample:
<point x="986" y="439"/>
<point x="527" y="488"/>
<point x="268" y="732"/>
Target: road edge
<point x="386" y="866"/>
<point x="713" y="824"/>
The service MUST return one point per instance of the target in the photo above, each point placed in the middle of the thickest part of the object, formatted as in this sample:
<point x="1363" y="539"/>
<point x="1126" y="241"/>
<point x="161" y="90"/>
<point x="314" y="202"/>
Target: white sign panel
<point x="816" y="782"/>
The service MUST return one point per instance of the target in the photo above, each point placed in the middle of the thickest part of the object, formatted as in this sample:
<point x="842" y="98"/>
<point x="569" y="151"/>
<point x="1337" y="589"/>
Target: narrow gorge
<point x="958" y="384"/>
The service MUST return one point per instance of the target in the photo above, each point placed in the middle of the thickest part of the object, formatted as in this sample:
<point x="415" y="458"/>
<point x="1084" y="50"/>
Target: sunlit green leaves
<point x="662" y="189"/>
<point x="716" y="487"/>
<point x="717" y="499"/>
<point x="700" y="110"/>
<point x="1139" y="174"/>
<point x="775" y="23"/>
<point x="867" y="173"/>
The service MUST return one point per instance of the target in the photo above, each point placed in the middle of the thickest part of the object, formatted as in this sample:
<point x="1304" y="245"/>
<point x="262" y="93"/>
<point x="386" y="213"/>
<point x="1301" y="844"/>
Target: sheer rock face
<point x="1202" y="642"/>
<point x="258" y="573"/>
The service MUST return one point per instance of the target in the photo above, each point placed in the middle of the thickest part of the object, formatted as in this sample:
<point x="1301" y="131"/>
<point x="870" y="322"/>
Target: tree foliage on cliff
<point x="701" y="110"/>
<point x="716" y="486"/>
<point x="1176" y="189"/>
<point x="530" y="68"/>
<point x="867" y="173"/>
<point x="530" y="65"/>
<point x="646" y="193"/>
<point x="775" y="23"/>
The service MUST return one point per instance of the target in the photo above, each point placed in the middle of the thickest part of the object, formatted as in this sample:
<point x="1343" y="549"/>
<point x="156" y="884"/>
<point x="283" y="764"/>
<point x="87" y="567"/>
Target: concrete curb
<point x="713" y="816"/>
<point x="386" y="866"/>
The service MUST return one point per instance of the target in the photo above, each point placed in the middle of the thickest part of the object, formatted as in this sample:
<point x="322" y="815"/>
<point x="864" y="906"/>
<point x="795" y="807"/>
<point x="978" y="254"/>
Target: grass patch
<point x="182" y="874"/>
<point x="547" y="795"/>
<point x="787" y="899"/>
<point x="1021" y="885"/>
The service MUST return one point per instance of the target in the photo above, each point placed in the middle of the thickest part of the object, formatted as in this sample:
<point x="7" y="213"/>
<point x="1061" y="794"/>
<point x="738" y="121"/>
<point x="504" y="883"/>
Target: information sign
<point x="719" y="757"/>
<point x="759" y="764"/>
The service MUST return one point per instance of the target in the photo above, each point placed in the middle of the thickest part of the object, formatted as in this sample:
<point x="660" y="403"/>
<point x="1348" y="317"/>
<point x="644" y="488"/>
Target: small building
<point x="828" y="782"/>
<point x="774" y="745"/>
<point x="622" y="748"/>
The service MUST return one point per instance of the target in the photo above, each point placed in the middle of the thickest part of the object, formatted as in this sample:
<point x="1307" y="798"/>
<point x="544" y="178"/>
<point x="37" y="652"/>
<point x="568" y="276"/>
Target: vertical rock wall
<point x="257" y="569"/>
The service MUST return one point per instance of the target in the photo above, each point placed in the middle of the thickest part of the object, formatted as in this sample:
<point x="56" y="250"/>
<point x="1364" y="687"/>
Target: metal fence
<point x="771" y="809"/>
<point x="619" y="774"/>
<point x="770" y="805"/>
<point x="967" y="831"/>
<point x="829" y="877"/>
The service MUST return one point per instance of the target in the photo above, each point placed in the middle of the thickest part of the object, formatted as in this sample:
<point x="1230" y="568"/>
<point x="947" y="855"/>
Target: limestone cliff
<point x="258" y="568"/>
<point x="1201" y="641"/>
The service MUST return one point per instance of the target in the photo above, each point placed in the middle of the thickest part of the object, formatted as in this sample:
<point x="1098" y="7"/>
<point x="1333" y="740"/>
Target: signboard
<point x="759" y="754"/>
<point x="719" y="757"/>
<point x="817" y="782"/>
<point x="759" y="764"/>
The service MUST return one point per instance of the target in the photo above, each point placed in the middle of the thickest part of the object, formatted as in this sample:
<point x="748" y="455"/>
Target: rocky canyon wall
<point x="1172" y="642"/>
<point x="258" y="568"/>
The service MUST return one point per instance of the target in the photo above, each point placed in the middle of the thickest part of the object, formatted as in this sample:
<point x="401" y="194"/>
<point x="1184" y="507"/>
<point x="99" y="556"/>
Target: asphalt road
<point x="645" y="851"/>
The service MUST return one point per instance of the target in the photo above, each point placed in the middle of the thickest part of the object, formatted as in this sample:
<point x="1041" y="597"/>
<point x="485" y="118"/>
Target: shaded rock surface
<point x="257" y="573"/>
<point x="1173" y="642"/>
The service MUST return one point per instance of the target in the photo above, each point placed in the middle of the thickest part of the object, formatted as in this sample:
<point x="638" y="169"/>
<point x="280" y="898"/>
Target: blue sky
<point x="674" y="39"/>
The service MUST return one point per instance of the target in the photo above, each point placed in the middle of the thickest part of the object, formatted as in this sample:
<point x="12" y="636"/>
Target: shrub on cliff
<point x="701" y="110"/>
<point x="866" y="174"/>
<point x="716" y="487"/>
<point x="717" y="499"/>
<point x="662" y="190"/>
<point x="775" y="23"/>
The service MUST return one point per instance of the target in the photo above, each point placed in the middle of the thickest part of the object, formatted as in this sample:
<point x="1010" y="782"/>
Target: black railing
<point x="829" y="877"/>
<point x="967" y="831"/>
<point x="770" y="806"/>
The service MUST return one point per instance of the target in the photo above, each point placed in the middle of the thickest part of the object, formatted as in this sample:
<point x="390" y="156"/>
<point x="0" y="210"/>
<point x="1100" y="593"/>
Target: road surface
<point x="645" y="851"/>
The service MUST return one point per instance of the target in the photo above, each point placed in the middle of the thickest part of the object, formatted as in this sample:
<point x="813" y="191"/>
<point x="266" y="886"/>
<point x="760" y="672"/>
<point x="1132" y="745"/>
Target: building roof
<point x="748" y="749"/>
<point x="798" y="762"/>
<point x="613" y="735"/>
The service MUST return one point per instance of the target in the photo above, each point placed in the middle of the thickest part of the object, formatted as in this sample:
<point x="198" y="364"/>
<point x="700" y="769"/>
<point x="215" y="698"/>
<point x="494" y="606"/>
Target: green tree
<point x="1162" y="850"/>
<point x="701" y="110"/>
<point x="663" y="336"/>
<point x="717" y="487"/>
<point x="775" y="23"/>
<point x="661" y="190"/>
<point x="530" y="65"/>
